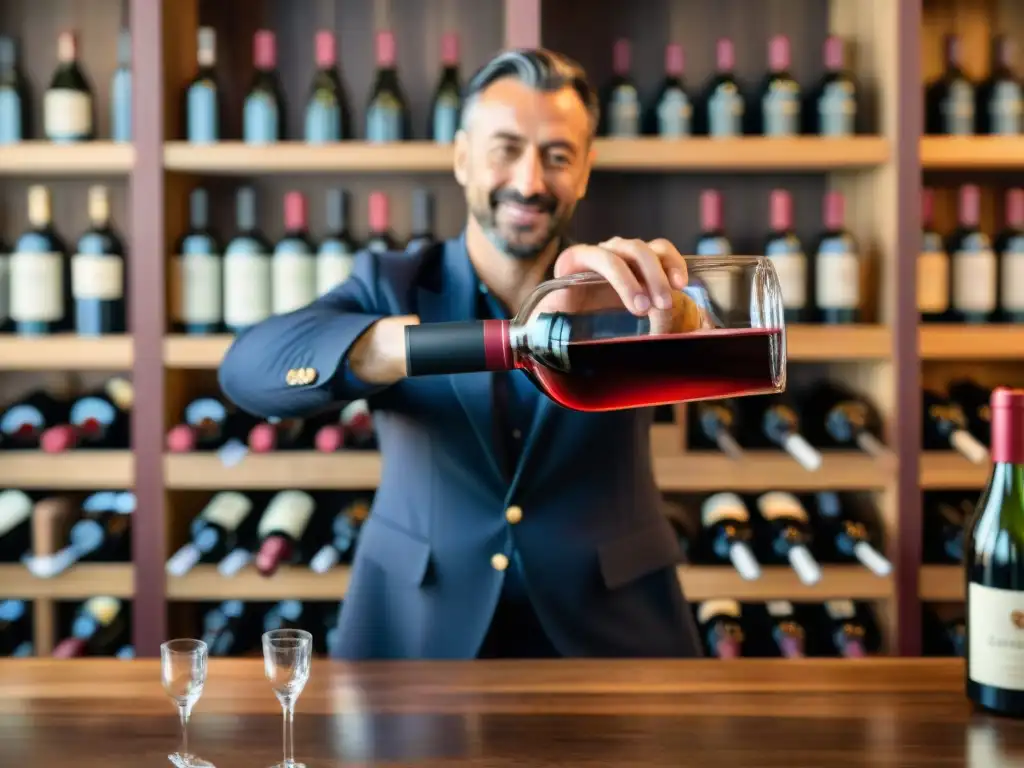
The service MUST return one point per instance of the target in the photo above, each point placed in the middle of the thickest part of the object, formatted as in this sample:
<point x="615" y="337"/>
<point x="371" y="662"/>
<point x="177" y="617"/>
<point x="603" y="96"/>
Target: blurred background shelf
<point x="292" y="469"/>
<point x="955" y="342"/>
<point x="85" y="470"/>
<point x="972" y="153"/>
<point x="941" y="583"/>
<point x="949" y="470"/>
<point x="44" y="158"/>
<point x="80" y="582"/>
<point x="66" y="352"/>
<point x="759" y="470"/>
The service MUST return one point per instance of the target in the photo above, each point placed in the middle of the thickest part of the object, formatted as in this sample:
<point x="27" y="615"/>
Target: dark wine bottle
<point x="247" y="285"/>
<point x="380" y="240"/>
<point x="999" y="101"/>
<point x="670" y="114"/>
<point x="773" y="421"/>
<point x="422" y="234"/>
<point x="101" y="534"/>
<point x="721" y="627"/>
<point x="15" y="525"/>
<point x="293" y="264"/>
<point x="932" y="266"/>
<point x="344" y="537"/>
<point x="846" y="630"/>
<point x="263" y="112"/>
<point x="994" y="561"/>
<point x="712" y="240"/>
<point x="336" y="253"/>
<point x="212" y="533"/>
<point x="5" y="287"/>
<point x="387" y="113"/>
<point x="949" y="100"/>
<point x="289" y="434"/>
<point x="100" y="627"/>
<point x="945" y="426"/>
<point x="721" y="110"/>
<point x="788" y="633"/>
<point x="784" y="249"/>
<point x="357" y="421"/>
<point x="98" y="272"/>
<point x="100" y="419"/>
<point x="1010" y="247"/>
<point x="16" y="629"/>
<point x="974" y="265"/>
<point x="15" y="106"/>
<point x="620" y="110"/>
<point x="213" y="424"/>
<point x="287" y="614"/>
<point x="281" y="530"/>
<point x="446" y="107"/>
<point x="121" y="91"/>
<point x="23" y="422"/>
<point x="848" y="536"/>
<point x="837" y="273"/>
<point x="945" y="517"/>
<point x="68" y="111"/>
<point x="40" y="273"/>
<point x="202" y="95"/>
<point x="715" y="424"/>
<point x="791" y="534"/>
<point x="328" y="116"/>
<point x="831" y="107"/>
<point x="199" y="286"/>
<point x="974" y="399"/>
<point x="779" y="95"/>
<point x="229" y="628"/>
<point x="836" y="417"/>
<point x="725" y="521"/>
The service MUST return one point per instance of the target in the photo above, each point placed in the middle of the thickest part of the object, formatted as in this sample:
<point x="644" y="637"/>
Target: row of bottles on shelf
<point x="44" y="289"/>
<point x="99" y="626"/>
<point x="236" y="285"/>
<point x="777" y="106"/>
<point x="68" y="105"/>
<point x="958" y="419"/>
<point x="956" y="106"/>
<point x="969" y="276"/>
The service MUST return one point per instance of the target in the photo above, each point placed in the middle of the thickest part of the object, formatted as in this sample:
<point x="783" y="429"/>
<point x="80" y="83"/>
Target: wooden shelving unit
<point x="42" y="158"/>
<point x="982" y="343"/>
<point x="87" y="470"/>
<point x="81" y="582"/>
<point x="972" y="153"/>
<point x="66" y="353"/>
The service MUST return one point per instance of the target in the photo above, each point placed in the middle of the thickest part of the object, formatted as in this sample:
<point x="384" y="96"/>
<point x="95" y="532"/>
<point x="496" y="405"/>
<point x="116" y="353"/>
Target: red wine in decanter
<point x="281" y="530"/>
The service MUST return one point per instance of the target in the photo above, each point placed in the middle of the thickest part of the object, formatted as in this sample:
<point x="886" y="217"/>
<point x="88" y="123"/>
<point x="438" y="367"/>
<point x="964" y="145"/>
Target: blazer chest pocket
<point x="399" y="552"/>
<point x="637" y="554"/>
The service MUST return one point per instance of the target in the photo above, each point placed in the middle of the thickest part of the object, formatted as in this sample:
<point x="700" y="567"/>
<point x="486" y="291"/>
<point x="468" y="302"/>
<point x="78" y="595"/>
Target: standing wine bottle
<point x="100" y="419"/>
<point x="773" y="421"/>
<point x="932" y="266"/>
<point x="422" y="231"/>
<point x="998" y="100"/>
<point x="994" y="560"/>
<point x="788" y="634"/>
<point x="836" y="417"/>
<point x="263" y="113"/>
<point x="1010" y="247"/>
<point x="974" y="265"/>
<point x="715" y="424"/>
<point x="121" y="91"/>
<point x="849" y="537"/>
<point x="5" y="287"/>
<point x="973" y="399"/>
<point x="16" y="629"/>
<point x="327" y="112"/>
<point x="336" y="252"/>
<point x="100" y="627"/>
<point x="293" y="265"/>
<point x="15" y="525"/>
<point x="670" y="114"/>
<point x="202" y="95"/>
<point x="98" y="273"/>
<point x="344" y="537"/>
<point x="721" y="110"/>
<point x="40" y="273"/>
<point x="380" y="240"/>
<point x="247" y="285"/>
<point x="446" y="106"/>
<point x="721" y="627"/>
<point x="212" y="533"/>
<point x="198" y="287"/>
<point x="712" y="242"/>
<point x="791" y="533"/>
<point x="944" y="426"/>
<point x="831" y="108"/>
<point x="620" y="102"/>
<point x="779" y="102"/>
<point x="68" y="102"/>
<point x="387" y="113"/>
<point x="846" y="630"/>
<point x="15" y="110"/>
<point x="949" y="100"/>
<point x="837" y="274"/>
<point x="23" y="422"/>
<point x="784" y="249"/>
<point x="726" y="530"/>
<point x="281" y="529"/>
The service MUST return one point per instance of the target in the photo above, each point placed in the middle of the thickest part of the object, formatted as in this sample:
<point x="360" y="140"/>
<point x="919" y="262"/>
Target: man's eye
<point x="559" y="160"/>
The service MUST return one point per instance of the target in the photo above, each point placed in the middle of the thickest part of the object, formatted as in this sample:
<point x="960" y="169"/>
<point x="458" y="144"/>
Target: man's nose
<point x="528" y="177"/>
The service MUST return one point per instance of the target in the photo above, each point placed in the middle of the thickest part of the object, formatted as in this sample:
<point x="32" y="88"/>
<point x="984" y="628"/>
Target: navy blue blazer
<point x="595" y="552"/>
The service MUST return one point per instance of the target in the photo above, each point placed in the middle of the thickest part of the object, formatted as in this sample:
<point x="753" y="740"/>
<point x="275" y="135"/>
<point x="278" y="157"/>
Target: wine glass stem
<point x="183" y="714"/>
<point x="289" y="740"/>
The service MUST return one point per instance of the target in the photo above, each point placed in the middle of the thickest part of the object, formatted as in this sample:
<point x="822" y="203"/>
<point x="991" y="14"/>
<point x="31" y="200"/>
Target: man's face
<point x="524" y="161"/>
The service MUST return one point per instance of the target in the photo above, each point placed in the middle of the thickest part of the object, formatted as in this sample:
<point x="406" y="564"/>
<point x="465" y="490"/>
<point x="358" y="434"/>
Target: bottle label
<point x="932" y="282"/>
<point x="1011" y="282"/>
<point x="958" y="109"/>
<point x="121" y="106"/>
<point x="777" y="505"/>
<point x="202" y="118"/>
<point x="323" y="119"/>
<point x="37" y="287"/>
<point x="67" y="114"/>
<point x="15" y="509"/>
<point x="10" y="116"/>
<point x="674" y="114"/>
<point x="97" y="276"/>
<point x="293" y="278"/>
<point x="779" y="608"/>
<point x="288" y="513"/>
<point x="201" y="288"/>
<point x="781" y="107"/>
<point x="723" y="506"/>
<point x="446" y="118"/>
<point x="837" y="276"/>
<point x="624" y="112"/>
<point x="1005" y="108"/>
<point x="384" y="120"/>
<point x="995" y="622"/>
<point x="837" y="109"/>
<point x="333" y="266"/>
<point x="247" y="294"/>
<point x="790" y="263"/>
<point x="227" y="509"/>
<point x="5" y="288"/>
<point x="711" y="608"/>
<point x="103" y="609"/>
<point x="840" y="610"/>
<point x="259" y="119"/>
<point x="725" y="111"/>
<point x="974" y="281"/>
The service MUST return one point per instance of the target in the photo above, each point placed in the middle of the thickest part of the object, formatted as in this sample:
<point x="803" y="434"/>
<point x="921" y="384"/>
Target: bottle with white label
<point x="68" y="108"/>
<point x="620" y="107"/>
<point x="293" y="265"/>
<point x="974" y="265"/>
<point x="15" y="123"/>
<point x="202" y="96"/>
<point x="999" y="106"/>
<point x="198" y="285"/>
<point x="281" y="530"/>
<point x="5" y="287"/>
<point x="791" y="534"/>
<point x="15" y="525"/>
<point x="328" y="116"/>
<point x="780" y="99"/>
<point x="1010" y="247"/>
<point x="831" y="108"/>
<point x="97" y="272"/>
<point x="247" y="286"/>
<point x="212" y="533"/>
<point x="786" y="253"/>
<point x="837" y="270"/>
<point x="121" y="91"/>
<point x="727" y="534"/>
<point x="721" y="626"/>
<point x="721" y="110"/>
<point x="670" y="114"/>
<point x="446" y="108"/>
<point x="40" y="273"/>
<point x="336" y="252"/>
<point x="994" y="561"/>
<point x="932" y="266"/>
<point x="263" y="112"/>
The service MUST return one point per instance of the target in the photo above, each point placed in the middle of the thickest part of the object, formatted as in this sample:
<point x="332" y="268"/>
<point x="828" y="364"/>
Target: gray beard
<point x="517" y="252"/>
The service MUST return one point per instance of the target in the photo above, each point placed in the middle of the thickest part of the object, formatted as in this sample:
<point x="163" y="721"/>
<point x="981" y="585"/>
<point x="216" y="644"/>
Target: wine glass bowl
<point x="183" y="665"/>
<point x="287" y="654"/>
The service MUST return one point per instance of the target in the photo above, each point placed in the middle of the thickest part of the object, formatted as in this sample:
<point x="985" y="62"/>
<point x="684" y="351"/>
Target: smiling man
<point x="503" y="524"/>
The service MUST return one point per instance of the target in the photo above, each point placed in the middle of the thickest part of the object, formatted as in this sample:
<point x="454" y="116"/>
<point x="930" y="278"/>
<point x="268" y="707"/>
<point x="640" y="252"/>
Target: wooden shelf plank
<point x="972" y="152"/>
<point x="77" y="583"/>
<point x="941" y="583"/>
<point x="948" y="470"/>
<point x="352" y="470"/>
<point x="42" y="158"/>
<point x="765" y="470"/>
<point x="65" y="352"/>
<point x="195" y="352"/>
<point x="85" y="470"/>
<point x="699" y="583"/>
<point x="971" y="342"/>
<point x="747" y="154"/>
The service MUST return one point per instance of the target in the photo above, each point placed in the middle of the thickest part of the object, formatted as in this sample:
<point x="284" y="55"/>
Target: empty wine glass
<point x="286" y="657"/>
<point x="183" y="672"/>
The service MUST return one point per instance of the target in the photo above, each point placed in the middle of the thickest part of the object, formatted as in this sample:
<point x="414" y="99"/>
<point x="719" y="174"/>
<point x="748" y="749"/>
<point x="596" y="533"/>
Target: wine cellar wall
<point x="645" y="186"/>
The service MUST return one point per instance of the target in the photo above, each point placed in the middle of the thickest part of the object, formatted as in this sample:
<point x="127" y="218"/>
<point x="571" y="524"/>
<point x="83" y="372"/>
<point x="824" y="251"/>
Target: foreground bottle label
<point x="996" y="621"/>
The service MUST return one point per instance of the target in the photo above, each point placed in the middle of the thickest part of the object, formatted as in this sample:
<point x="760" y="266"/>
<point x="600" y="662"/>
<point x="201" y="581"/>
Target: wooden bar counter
<point x="712" y="714"/>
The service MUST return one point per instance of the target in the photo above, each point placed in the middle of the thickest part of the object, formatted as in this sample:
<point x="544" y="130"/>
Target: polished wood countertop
<point x="882" y="713"/>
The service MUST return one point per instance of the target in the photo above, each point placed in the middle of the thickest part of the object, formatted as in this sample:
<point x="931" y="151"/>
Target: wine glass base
<point x="289" y="765"/>
<point x="179" y="760"/>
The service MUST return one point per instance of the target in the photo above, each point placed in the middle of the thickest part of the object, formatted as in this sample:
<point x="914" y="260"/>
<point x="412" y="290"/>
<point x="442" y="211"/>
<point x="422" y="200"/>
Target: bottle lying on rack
<point x="102" y="533"/>
<point x="213" y="424"/>
<point x="16" y="629"/>
<point x="774" y="422"/>
<point x="945" y="517"/>
<point x="97" y="420"/>
<point x="835" y="417"/>
<point x="582" y="347"/>
<point x="234" y="627"/>
<point x="725" y="521"/>
<point x="791" y="535"/>
<point x="101" y="627"/>
<point x="847" y="537"/>
<point x="945" y="426"/>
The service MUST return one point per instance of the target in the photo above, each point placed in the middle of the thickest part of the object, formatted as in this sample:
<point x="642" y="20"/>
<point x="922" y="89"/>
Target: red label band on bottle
<point x="497" y="346"/>
<point x="1007" y="425"/>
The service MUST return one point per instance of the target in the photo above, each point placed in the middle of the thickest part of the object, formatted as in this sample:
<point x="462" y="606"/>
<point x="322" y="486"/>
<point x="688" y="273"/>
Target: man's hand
<point x="378" y="356"/>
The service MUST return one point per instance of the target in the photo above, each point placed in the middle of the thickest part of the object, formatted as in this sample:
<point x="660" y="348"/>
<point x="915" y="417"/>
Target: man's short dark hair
<point x="537" y="68"/>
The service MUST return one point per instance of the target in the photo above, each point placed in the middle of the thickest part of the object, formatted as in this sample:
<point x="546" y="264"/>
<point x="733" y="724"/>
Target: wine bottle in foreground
<point x="720" y="623"/>
<point x="945" y="426"/>
<point x="726" y="523"/>
<point x="791" y="533"/>
<point x="788" y="634"/>
<point x="994" y="563"/>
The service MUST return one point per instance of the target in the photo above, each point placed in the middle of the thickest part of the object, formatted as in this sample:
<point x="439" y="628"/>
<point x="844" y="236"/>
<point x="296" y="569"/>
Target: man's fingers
<point x="672" y="261"/>
<point x="648" y="264"/>
<point x="584" y="258"/>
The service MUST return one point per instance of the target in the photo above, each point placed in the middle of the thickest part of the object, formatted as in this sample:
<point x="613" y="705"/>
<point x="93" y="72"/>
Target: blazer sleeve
<point x="254" y="372"/>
